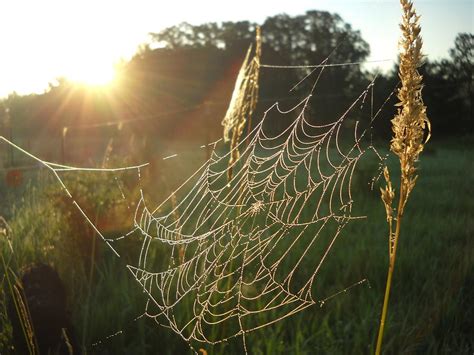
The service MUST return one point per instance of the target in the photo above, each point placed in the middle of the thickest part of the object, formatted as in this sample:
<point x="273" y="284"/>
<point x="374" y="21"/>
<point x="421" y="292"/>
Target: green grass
<point x="430" y="311"/>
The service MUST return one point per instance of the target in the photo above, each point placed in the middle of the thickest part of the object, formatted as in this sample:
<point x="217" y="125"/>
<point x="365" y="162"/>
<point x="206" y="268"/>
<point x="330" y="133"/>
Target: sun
<point x="93" y="75"/>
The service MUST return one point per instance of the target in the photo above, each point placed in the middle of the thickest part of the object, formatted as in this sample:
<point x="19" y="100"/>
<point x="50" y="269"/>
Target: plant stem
<point x="89" y="289"/>
<point x="392" y="256"/>
<point x="21" y="316"/>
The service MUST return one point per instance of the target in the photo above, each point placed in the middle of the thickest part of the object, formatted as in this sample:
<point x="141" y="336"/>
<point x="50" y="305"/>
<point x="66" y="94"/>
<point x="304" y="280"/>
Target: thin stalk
<point x="21" y="316"/>
<point x="392" y="257"/>
<point x="89" y="289"/>
<point x="92" y="261"/>
<point x="410" y="125"/>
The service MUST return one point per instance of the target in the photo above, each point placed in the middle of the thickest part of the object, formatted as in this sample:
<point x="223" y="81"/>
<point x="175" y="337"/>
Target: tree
<point x="449" y="88"/>
<point x="304" y="39"/>
<point x="447" y="93"/>
<point x="462" y="71"/>
<point x="300" y="40"/>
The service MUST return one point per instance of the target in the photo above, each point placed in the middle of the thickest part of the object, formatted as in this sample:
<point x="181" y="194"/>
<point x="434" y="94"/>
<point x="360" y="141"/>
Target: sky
<point x="83" y="39"/>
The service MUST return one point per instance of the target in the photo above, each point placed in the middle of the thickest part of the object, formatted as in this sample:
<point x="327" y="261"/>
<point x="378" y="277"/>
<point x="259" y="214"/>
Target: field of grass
<point x="431" y="308"/>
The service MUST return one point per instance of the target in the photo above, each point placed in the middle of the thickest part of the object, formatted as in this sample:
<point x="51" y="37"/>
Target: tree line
<point x="179" y="85"/>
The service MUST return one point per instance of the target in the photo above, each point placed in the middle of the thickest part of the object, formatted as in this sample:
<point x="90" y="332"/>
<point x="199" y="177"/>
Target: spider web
<point x="246" y="252"/>
<point x="238" y="255"/>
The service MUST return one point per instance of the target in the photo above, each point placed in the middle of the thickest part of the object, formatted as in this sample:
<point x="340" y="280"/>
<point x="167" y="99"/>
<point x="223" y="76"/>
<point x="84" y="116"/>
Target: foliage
<point x="188" y="80"/>
<point x="300" y="40"/>
<point x="185" y="78"/>
<point x="452" y="97"/>
<point x="45" y="227"/>
<point x="432" y="314"/>
<point x="448" y="91"/>
<point x="303" y="39"/>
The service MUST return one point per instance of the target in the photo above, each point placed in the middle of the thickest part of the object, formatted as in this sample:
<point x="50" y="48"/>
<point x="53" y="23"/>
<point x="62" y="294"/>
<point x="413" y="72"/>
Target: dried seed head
<point x="388" y="194"/>
<point x="243" y="101"/>
<point x="411" y="123"/>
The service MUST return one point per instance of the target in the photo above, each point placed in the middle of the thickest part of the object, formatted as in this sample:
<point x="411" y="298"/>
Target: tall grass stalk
<point x="243" y="101"/>
<point x="22" y="311"/>
<point x="92" y="258"/>
<point x="408" y="127"/>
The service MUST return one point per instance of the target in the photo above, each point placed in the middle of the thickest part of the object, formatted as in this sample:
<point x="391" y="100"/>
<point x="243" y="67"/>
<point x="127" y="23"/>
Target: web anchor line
<point x="312" y="66"/>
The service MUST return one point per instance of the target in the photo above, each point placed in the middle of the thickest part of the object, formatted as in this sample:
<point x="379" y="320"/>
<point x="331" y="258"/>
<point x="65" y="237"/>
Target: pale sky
<point x="82" y="39"/>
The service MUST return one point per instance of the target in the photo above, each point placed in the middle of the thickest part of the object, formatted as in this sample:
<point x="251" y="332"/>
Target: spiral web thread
<point x="238" y="255"/>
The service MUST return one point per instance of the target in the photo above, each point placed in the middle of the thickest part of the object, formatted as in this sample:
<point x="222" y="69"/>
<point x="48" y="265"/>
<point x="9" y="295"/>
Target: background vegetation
<point x="178" y="87"/>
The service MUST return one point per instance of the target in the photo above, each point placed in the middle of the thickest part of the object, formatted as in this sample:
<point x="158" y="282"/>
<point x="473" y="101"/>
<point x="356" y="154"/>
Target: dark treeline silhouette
<point x="448" y="91"/>
<point x="199" y="64"/>
<point x="179" y="86"/>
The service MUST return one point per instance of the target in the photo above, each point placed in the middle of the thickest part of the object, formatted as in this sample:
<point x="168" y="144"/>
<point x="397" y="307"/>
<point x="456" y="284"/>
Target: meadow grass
<point x="431" y="311"/>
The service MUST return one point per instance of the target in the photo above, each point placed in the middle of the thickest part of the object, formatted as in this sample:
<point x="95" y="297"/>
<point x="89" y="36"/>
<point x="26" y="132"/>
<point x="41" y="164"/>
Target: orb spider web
<point x="244" y="253"/>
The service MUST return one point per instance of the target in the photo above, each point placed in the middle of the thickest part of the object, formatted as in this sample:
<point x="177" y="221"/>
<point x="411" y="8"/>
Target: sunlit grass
<point x="431" y="305"/>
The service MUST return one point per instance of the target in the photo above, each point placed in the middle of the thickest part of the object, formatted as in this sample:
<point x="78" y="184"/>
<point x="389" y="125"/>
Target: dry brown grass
<point x="409" y="126"/>
<point x="243" y="102"/>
